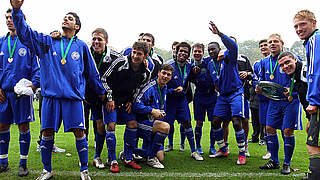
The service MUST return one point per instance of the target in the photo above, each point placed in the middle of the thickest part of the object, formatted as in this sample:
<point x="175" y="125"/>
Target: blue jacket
<point x="148" y="99"/>
<point x="177" y="79"/>
<point x="228" y="80"/>
<point x="312" y="46"/>
<point x="66" y="81"/>
<point x="205" y="91"/>
<point x="24" y="64"/>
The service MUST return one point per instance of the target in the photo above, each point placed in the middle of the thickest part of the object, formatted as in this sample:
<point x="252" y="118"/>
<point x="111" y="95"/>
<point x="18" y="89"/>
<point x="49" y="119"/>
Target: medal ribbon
<point x="272" y="71"/>
<point x="161" y="99"/>
<point x="184" y="72"/>
<point x="64" y="54"/>
<point x="104" y="53"/>
<point x="9" y="46"/>
<point x="215" y="68"/>
<point x="291" y="86"/>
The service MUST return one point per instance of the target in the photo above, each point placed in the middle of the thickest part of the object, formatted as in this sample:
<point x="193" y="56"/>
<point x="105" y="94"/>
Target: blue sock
<point x="182" y="134"/>
<point x="198" y="134"/>
<point x="158" y="140"/>
<point x="82" y="148"/>
<point x="4" y="146"/>
<point x="130" y="137"/>
<point x="46" y="145"/>
<point x="212" y="139"/>
<point x="289" y="143"/>
<point x="218" y="136"/>
<point x="170" y="136"/>
<point x="99" y="144"/>
<point x="24" y="139"/>
<point x="240" y="141"/>
<point x="111" y="144"/>
<point x="190" y="136"/>
<point x="274" y="147"/>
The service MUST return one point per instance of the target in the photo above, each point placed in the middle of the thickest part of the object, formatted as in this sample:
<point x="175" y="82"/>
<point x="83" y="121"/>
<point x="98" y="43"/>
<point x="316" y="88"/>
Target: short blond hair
<point x="276" y="35"/>
<point x="305" y="14"/>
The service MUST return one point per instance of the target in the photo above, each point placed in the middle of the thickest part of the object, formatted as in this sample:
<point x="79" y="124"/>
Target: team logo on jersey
<point x="22" y="52"/>
<point x="175" y="77"/>
<point x="1" y="53"/>
<point x="54" y="53"/>
<point x="75" y="55"/>
<point x="267" y="72"/>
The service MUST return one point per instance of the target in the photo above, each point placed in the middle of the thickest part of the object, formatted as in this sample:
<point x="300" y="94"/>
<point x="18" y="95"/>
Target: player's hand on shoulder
<point x="55" y="35"/>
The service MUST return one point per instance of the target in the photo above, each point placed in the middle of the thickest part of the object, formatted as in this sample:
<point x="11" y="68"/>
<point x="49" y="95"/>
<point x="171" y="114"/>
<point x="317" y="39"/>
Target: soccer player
<point x="150" y="107"/>
<point x="177" y="105"/>
<point x="306" y="29"/>
<point x="224" y="73"/>
<point x="205" y="96"/>
<point x="66" y="66"/>
<point x="16" y="62"/>
<point x="103" y="57"/>
<point x="284" y="114"/>
<point x="122" y="81"/>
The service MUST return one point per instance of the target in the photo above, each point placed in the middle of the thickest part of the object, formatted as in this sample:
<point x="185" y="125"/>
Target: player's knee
<point x="78" y="133"/>
<point x="186" y="124"/>
<point x="161" y="126"/>
<point x="4" y="127"/>
<point x="216" y="124"/>
<point x="200" y="123"/>
<point x="47" y="132"/>
<point x="237" y="123"/>
<point x="288" y="132"/>
<point x="132" y="124"/>
<point x="270" y="130"/>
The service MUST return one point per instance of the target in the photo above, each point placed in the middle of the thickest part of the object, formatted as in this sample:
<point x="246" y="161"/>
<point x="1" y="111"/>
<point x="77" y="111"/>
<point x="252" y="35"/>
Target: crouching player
<point x="150" y="107"/>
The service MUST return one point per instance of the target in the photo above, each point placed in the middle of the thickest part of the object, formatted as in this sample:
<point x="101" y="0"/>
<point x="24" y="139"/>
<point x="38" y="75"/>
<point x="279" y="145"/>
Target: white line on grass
<point x="166" y="174"/>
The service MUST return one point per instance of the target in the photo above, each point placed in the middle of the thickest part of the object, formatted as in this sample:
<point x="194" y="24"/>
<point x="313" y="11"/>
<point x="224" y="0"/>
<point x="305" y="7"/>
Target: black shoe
<point x="270" y="165"/>
<point x="253" y="140"/>
<point x="3" y="167"/>
<point x="23" y="170"/>
<point x="262" y="143"/>
<point x="285" y="169"/>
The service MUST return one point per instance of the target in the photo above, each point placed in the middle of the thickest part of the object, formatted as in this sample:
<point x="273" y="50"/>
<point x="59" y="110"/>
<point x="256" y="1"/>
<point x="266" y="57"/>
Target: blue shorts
<point x="15" y="110"/>
<point x="246" y="109"/>
<point x="200" y="108"/>
<point x="54" y="111"/>
<point x="232" y="104"/>
<point x="119" y="116"/>
<point x="284" y="114"/>
<point x="145" y="130"/>
<point x="96" y="111"/>
<point x="263" y="108"/>
<point x="177" y="109"/>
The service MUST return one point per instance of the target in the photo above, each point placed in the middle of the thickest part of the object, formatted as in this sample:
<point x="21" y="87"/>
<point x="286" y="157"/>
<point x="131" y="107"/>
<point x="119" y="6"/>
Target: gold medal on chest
<point x="271" y="76"/>
<point x="290" y="98"/>
<point x="63" y="61"/>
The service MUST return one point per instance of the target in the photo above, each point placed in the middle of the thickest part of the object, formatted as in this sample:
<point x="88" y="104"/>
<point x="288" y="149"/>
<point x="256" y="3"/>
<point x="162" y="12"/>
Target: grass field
<point x="178" y="165"/>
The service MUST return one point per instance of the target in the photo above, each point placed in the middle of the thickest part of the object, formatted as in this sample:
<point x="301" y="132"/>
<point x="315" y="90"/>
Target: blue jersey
<point x="280" y="77"/>
<point x="179" y="78"/>
<point x="204" y="91"/>
<point x="312" y="46"/>
<point x="226" y="75"/>
<point x="66" y="81"/>
<point x="24" y="64"/>
<point x="148" y="99"/>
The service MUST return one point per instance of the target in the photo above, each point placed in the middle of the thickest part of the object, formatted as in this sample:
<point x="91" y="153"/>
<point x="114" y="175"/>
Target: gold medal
<point x="290" y="98"/>
<point x="10" y="60"/>
<point x="63" y="61"/>
<point x="271" y="76"/>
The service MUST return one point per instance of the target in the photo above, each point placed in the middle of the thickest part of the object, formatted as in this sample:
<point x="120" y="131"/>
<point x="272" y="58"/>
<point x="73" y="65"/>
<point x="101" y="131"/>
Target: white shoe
<point x="182" y="147"/>
<point x="45" y="175"/>
<point x="155" y="163"/>
<point x="56" y="149"/>
<point x="84" y="175"/>
<point x="121" y="155"/>
<point x="137" y="157"/>
<point x="97" y="162"/>
<point x="247" y="154"/>
<point x="267" y="156"/>
<point x="195" y="155"/>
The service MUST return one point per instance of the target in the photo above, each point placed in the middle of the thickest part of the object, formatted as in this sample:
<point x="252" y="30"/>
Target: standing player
<point x="283" y="114"/>
<point x="224" y="73"/>
<point x="66" y="66"/>
<point x="177" y="105"/>
<point x="150" y="107"/>
<point x="306" y="29"/>
<point x="122" y="80"/>
<point x="205" y="95"/>
<point x="16" y="62"/>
